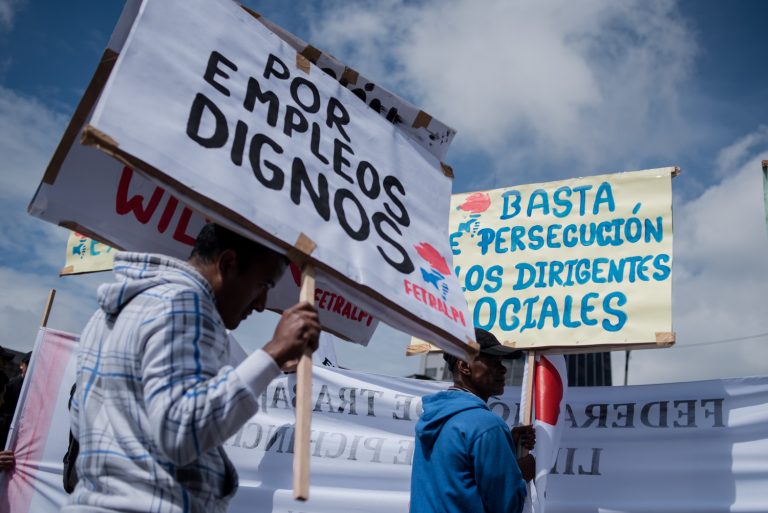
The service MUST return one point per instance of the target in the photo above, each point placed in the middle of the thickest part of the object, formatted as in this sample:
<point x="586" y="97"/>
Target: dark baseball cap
<point x="490" y="345"/>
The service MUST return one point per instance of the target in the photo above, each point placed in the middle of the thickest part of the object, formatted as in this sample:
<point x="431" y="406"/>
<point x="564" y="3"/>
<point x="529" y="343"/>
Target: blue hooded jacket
<point x="464" y="460"/>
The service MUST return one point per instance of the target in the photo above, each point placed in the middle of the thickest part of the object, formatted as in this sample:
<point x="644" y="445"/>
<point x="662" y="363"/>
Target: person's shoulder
<point x="483" y="418"/>
<point x="172" y="287"/>
<point x="476" y="421"/>
<point x="490" y="428"/>
<point x="155" y="307"/>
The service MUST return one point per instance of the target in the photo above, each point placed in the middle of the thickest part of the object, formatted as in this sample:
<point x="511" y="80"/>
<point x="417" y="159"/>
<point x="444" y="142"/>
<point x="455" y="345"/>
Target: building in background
<point x="584" y="370"/>
<point x="589" y="370"/>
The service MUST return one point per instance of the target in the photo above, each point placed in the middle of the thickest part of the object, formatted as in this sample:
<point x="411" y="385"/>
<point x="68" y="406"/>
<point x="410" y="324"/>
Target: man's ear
<point x="462" y="367"/>
<point x="226" y="263"/>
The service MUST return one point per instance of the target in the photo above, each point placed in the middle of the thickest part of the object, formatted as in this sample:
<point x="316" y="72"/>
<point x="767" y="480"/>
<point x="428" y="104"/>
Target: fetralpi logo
<point x="438" y="268"/>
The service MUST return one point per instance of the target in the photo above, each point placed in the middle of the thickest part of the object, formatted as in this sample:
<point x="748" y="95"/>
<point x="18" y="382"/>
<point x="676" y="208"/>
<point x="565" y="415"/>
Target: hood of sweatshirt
<point x="138" y="272"/>
<point x="441" y="407"/>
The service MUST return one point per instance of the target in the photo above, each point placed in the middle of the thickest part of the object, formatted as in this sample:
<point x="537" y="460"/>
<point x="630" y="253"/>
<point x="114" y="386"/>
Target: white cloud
<point x="31" y="252"/>
<point x="22" y="301"/>
<point x="720" y="278"/>
<point x="29" y="132"/>
<point x="733" y="156"/>
<point x="8" y="10"/>
<point x="28" y="135"/>
<point x="528" y="81"/>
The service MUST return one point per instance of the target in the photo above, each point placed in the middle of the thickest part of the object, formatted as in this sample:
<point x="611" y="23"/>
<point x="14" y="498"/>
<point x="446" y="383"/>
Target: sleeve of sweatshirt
<point x="194" y="400"/>
<point x="498" y="477"/>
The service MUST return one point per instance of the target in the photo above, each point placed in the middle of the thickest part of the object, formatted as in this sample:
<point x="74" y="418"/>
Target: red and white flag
<point x="550" y="383"/>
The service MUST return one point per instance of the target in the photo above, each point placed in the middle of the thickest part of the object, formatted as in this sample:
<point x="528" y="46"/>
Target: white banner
<point x="127" y="211"/>
<point x="693" y="447"/>
<point x="571" y="264"/>
<point x="295" y="153"/>
<point x="143" y="216"/>
<point x="268" y="141"/>
<point x="40" y="428"/>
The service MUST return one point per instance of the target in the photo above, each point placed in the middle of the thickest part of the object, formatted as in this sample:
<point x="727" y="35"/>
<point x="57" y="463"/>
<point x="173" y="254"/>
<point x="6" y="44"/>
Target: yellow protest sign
<point x="574" y="265"/>
<point x="85" y="255"/>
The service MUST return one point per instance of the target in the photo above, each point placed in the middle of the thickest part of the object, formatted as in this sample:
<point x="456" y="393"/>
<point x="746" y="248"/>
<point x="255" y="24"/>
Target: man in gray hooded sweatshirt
<point x="156" y="395"/>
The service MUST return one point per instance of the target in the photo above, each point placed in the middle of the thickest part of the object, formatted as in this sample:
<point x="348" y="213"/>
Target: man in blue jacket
<point x="465" y="457"/>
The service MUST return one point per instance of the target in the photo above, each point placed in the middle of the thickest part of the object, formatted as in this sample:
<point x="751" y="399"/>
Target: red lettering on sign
<point x="165" y="219"/>
<point x="424" y="296"/>
<point x="143" y="212"/>
<point x="339" y="305"/>
<point x="180" y="234"/>
<point x="124" y="205"/>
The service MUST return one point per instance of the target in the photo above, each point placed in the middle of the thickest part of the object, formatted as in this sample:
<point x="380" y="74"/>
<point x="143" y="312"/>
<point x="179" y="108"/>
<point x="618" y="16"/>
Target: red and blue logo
<point x="474" y="205"/>
<point x="438" y="268"/>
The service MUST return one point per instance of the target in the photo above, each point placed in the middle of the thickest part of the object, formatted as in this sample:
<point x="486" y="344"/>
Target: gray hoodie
<point x="156" y="397"/>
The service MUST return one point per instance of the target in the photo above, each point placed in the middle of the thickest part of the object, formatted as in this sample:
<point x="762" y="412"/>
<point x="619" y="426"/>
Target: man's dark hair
<point x="213" y="239"/>
<point x="3" y="380"/>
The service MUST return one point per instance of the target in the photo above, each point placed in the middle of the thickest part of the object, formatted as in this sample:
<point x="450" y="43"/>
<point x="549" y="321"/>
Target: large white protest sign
<point x="273" y="146"/>
<point x="110" y="203"/>
<point x="572" y="265"/>
<point x="699" y="446"/>
<point x="142" y="216"/>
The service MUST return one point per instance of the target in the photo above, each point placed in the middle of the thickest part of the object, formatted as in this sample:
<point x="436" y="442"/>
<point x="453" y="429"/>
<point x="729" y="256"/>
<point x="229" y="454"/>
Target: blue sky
<point x="538" y="91"/>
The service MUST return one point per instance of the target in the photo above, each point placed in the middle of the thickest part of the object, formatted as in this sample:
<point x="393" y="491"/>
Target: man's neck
<point x="465" y="388"/>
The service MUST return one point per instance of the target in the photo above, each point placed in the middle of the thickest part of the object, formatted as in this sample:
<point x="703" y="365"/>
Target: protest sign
<point x="269" y="144"/>
<point x="142" y="216"/>
<point x="570" y="266"/>
<point x="127" y="211"/>
<point x="86" y="255"/>
<point x="695" y="445"/>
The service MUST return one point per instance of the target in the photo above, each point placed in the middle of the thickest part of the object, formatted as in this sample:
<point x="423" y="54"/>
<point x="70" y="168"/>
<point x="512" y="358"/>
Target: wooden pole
<point x="47" y="311"/>
<point x="303" y="402"/>
<point x="626" y="368"/>
<point x="527" y="418"/>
